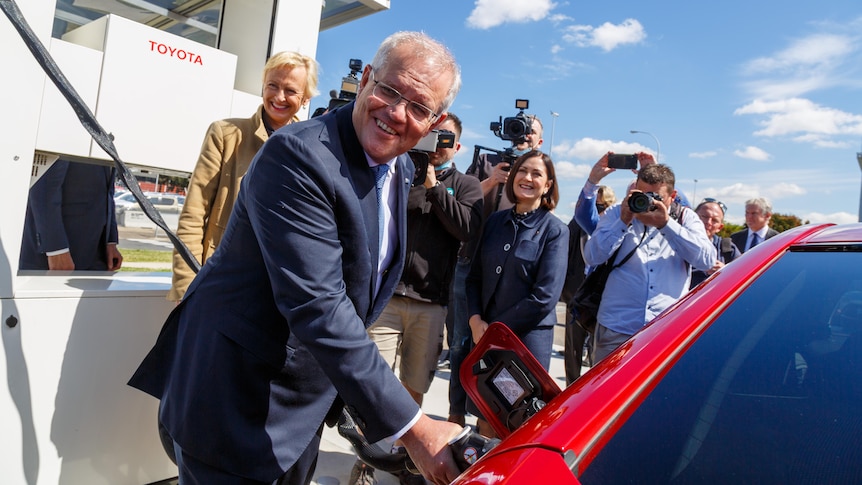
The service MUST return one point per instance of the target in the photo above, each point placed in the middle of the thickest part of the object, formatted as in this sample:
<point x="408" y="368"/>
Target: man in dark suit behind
<point x="758" y="213"/>
<point x="70" y="222"/>
<point x="270" y="337"/>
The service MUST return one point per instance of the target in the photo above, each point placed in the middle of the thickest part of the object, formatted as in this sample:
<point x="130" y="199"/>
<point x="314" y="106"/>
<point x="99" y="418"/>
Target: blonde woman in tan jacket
<point x="289" y="83"/>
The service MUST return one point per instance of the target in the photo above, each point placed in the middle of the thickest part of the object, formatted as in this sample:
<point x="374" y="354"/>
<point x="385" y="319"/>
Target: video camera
<point x="515" y="128"/>
<point x="428" y="144"/>
<point x="349" y="88"/>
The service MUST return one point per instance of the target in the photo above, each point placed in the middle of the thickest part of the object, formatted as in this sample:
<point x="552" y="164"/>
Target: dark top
<point x="70" y="206"/>
<point x="439" y="219"/>
<point x="518" y="272"/>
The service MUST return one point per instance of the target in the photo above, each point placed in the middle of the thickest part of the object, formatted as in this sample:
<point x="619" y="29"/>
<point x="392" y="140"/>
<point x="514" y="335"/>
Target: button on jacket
<point x="518" y="272"/>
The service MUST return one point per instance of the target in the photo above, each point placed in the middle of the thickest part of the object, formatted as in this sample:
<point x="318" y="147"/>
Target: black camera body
<point x="643" y="201"/>
<point x="514" y="128"/>
<point x="428" y="144"/>
<point x="349" y="88"/>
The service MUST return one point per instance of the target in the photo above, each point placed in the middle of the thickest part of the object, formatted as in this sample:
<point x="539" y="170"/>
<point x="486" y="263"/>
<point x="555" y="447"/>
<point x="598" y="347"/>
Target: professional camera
<point x="435" y="140"/>
<point x="643" y="201"/>
<point x="428" y="144"/>
<point x="515" y="128"/>
<point x="349" y="88"/>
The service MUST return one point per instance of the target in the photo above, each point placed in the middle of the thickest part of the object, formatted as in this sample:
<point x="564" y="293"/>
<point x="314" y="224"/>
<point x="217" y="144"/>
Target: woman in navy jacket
<point x="520" y="265"/>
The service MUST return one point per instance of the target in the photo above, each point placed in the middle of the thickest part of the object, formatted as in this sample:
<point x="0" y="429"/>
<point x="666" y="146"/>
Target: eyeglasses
<point x="391" y="97"/>
<point x="709" y="200"/>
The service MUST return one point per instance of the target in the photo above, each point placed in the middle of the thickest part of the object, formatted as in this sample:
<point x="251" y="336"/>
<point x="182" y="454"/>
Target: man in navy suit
<point x="758" y="213"/>
<point x="270" y="338"/>
<point x="70" y="222"/>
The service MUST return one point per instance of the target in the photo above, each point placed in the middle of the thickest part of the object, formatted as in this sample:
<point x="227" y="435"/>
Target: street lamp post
<point x="657" y="144"/>
<point x="554" y="115"/>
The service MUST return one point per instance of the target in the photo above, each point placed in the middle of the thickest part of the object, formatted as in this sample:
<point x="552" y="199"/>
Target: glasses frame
<point x="710" y="200"/>
<point x="400" y="97"/>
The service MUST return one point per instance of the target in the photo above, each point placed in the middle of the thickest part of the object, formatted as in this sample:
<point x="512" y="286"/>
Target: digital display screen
<point x="509" y="388"/>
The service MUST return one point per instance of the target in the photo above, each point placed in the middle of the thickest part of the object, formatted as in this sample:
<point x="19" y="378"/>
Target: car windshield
<point x="770" y="393"/>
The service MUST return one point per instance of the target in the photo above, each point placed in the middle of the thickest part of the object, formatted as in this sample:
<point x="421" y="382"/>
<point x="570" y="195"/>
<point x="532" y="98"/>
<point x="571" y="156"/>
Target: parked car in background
<point x="163" y="202"/>
<point x="125" y="199"/>
<point x="130" y="214"/>
<point x="755" y="376"/>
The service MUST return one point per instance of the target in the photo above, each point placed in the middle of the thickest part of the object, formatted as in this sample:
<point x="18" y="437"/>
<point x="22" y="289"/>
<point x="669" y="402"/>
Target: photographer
<point x="667" y="240"/>
<point x="492" y="169"/>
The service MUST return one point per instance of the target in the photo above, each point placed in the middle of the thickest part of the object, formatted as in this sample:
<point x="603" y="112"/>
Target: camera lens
<point x="640" y="202"/>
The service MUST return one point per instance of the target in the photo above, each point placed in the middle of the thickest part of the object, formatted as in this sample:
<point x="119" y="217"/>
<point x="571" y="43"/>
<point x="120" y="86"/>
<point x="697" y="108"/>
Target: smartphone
<point x="618" y="160"/>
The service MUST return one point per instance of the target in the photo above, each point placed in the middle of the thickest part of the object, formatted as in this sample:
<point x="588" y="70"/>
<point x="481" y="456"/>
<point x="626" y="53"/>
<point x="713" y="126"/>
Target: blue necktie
<point x="380" y="173"/>
<point x="755" y="240"/>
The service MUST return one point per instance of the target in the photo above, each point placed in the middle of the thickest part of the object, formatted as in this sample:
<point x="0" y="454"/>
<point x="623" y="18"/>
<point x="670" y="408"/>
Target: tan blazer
<point x="227" y="151"/>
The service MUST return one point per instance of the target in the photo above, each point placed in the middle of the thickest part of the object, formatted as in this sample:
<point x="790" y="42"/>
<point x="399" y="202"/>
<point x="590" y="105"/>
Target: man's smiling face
<point x="387" y="131"/>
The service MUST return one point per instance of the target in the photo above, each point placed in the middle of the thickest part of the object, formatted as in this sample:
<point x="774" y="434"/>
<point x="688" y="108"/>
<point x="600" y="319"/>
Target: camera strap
<point x="630" y="254"/>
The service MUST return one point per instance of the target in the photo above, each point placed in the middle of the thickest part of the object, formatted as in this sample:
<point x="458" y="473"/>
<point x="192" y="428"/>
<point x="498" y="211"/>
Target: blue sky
<point x="754" y="98"/>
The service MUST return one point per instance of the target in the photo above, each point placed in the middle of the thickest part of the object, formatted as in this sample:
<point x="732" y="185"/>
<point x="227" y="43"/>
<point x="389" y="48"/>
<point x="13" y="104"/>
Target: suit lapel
<point x="363" y="185"/>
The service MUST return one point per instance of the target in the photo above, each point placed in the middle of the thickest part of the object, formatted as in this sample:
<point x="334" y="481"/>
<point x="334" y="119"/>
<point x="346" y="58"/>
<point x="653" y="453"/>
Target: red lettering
<point x="180" y="54"/>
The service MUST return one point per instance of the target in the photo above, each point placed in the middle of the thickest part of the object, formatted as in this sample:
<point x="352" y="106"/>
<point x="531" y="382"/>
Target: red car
<point x="755" y="376"/>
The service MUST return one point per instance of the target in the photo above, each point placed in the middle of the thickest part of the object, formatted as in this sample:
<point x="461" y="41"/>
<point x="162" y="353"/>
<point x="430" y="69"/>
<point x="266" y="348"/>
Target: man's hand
<point x="656" y="217"/>
<point x="626" y="214"/>
<point x="61" y="262"/>
<point x="717" y="266"/>
<point x="427" y="444"/>
<point x="501" y="172"/>
<point x="115" y="259"/>
<point x="430" y="177"/>
<point x="498" y="176"/>
<point x="644" y="159"/>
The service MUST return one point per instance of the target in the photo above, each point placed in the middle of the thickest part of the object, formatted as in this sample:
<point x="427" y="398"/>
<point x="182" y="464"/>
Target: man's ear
<point x="366" y="76"/>
<point x="437" y="123"/>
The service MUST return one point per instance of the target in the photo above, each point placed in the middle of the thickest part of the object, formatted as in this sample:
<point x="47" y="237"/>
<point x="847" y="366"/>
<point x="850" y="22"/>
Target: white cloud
<point x="816" y="51"/>
<point x="708" y="154"/>
<point x="556" y="48"/>
<point x="491" y="13"/>
<point x="571" y="171"/>
<point x="752" y="153"/>
<point x="813" y="63"/>
<point x="737" y="193"/>
<point x="607" y="36"/>
<point x="836" y="217"/>
<point x="591" y="150"/>
<point x="797" y="116"/>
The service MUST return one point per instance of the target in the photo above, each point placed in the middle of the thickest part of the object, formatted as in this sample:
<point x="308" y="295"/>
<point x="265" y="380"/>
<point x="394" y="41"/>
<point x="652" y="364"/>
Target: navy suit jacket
<point x="739" y="238"/>
<point x="70" y="206"/>
<point x="273" y="327"/>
